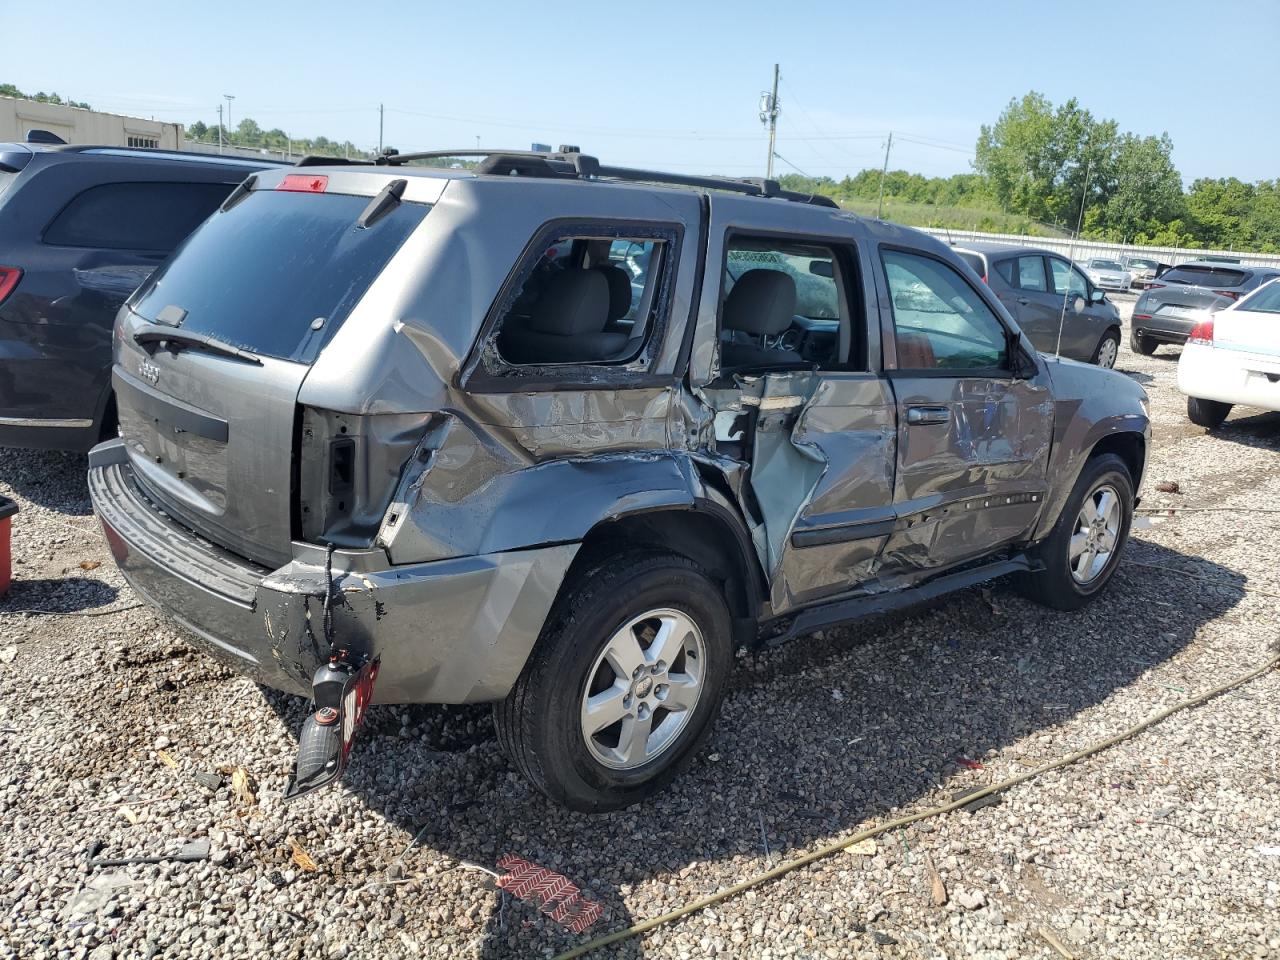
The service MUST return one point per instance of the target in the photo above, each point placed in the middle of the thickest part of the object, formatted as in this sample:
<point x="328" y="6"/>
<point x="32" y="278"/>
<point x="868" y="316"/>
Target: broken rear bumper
<point x="449" y="631"/>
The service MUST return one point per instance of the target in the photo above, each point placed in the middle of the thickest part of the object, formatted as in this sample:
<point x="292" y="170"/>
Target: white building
<point x="77" y="125"/>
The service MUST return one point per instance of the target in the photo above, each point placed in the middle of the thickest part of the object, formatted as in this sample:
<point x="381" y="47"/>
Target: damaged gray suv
<point x="560" y="436"/>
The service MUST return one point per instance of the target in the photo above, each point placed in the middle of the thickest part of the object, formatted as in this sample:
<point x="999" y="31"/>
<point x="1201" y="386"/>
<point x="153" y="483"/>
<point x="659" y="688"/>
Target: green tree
<point x="1147" y="191"/>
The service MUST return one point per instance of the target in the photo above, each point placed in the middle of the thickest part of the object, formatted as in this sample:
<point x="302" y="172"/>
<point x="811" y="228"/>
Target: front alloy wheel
<point x="1108" y="350"/>
<point x="1082" y="552"/>
<point x="1096" y="533"/>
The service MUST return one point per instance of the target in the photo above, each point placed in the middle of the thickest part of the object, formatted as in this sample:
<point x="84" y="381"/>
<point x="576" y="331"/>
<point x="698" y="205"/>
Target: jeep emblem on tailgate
<point x="149" y="372"/>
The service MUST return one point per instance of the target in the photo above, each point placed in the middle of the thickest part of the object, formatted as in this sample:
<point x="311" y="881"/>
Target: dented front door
<point x="975" y="418"/>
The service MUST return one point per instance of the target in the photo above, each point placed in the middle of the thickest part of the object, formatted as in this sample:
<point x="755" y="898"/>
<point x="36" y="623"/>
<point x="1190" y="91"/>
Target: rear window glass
<point x="278" y="273"/>
<point x="1205" y="276"/>
<point x="6" y="179"/>
<point x="975" y="261"/>
<point x="1266" y="300"/>
<point x="135" y="216"/>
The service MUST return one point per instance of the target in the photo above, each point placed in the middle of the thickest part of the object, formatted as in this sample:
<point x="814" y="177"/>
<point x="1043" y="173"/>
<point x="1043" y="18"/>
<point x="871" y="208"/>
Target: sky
<point x="674" y="85"/>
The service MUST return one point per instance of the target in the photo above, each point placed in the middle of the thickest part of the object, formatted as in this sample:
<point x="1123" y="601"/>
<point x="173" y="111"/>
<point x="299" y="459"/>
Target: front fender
<point x="1090" y="405"/>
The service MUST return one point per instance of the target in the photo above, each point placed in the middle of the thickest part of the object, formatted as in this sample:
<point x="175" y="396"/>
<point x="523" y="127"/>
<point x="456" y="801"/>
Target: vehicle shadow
<point x="1261" y="430"/>
<point x="60" y="595"/>
<point x="49" y="478"/>
<point x="814" y="739"/>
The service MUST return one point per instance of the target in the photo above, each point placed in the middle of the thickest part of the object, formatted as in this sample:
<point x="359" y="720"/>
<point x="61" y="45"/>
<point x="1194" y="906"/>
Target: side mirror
<point x="1097" y="296"/>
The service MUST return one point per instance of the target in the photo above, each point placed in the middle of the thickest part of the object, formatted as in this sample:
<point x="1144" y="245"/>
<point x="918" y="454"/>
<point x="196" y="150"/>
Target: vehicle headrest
<point x="761" y="301"/>
<point x="619" y="290"/>
<point x="573" y="301"/>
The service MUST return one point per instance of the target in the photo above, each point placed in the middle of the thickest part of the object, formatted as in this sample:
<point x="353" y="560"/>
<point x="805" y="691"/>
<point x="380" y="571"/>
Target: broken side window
<point x="593" y="295"/>
<point x="783" y="305"/>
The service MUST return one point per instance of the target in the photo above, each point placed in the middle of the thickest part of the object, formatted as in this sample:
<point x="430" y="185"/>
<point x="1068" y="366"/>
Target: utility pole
<point x="884" y="170"/>
<point x="228" y="97"/>
<point x="769" y="110"/>
<point x="379" y="129"/>
<point x="219" y="128"/>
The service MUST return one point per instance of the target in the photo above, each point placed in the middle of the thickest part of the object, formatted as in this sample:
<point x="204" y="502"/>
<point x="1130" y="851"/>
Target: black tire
<point x="539" y="723"/>
<point x="1107" y="351"/>
<point x="1055" y="586"/>
<point x="1207" y="413"/>
<point x="1143" y="345"/>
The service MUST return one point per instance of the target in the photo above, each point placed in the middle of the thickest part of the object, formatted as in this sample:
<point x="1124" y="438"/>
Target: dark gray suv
<point x="1190" y="292"/>
<point x="1055" y="304"/>
<point x="560" y="436"/>
<point x="80" y="228"/>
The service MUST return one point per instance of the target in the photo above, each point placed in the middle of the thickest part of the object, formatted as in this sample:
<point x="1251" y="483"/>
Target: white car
<point x="1233" y="356"/>
<point x="1107" y="274"/>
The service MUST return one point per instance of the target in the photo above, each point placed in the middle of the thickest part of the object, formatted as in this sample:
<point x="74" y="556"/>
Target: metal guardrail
<point x="1083" y="250"/>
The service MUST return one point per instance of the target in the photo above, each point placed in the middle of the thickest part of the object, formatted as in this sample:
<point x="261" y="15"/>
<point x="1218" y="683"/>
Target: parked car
<point x="1055" y="304"/>
<point x="1166" y="312"/>
<point x="80" y="228"/>
<point x="460" y="465"/>
<point x="1143" y="270"/>
<point x="1107" y="274"/>
<point x="1233" y="357"/>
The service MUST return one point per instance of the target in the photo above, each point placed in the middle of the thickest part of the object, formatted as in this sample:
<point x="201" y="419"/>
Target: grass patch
<point x="911" y="214"/>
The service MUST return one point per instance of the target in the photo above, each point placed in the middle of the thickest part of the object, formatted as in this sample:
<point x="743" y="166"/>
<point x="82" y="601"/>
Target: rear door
<point x="1031" y="300"/>
<point x="211" y="431"/>
<point x="973" y="437"/>
<point x="810" y="425"/>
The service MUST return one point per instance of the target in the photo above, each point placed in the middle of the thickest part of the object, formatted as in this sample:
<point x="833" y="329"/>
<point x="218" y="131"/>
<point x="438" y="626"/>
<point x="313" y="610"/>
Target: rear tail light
<point x="1202" y="333"/>
<point x="1229" y="294"/>
<point x="1155" y="286"/>
<point x="1142" y="316"/>
<point x="9" y="277"/>
<point x="304" y="183"/>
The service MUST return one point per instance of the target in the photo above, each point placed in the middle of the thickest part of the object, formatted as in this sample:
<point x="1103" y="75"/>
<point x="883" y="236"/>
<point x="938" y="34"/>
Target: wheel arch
<point x="1129" y="446"/>
<point x="708" y="532"/>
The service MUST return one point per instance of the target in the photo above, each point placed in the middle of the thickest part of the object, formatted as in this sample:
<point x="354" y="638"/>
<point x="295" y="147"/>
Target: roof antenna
<point x="1071" y="255"/>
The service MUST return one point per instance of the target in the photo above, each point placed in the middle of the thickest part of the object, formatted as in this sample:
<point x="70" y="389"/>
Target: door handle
<point x="922" y="415"/>
<point x="1023" y="301"/>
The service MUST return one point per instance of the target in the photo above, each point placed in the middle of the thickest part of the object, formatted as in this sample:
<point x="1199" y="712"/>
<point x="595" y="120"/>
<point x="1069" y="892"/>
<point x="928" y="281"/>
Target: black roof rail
<point x="568" y="162"/>
<point x="312" y="160"/>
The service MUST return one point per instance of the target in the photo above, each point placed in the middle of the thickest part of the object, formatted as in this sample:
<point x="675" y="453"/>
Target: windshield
<point x="1105" y="265"/>
<point x="1141" y="264"/>
<point x="278" y="273"/>
<point x="1265" y="299"/>
<point x="1205" y="276"/>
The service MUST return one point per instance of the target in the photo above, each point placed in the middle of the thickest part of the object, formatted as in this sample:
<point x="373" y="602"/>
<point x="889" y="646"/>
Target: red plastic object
<point x="7" y="509"/>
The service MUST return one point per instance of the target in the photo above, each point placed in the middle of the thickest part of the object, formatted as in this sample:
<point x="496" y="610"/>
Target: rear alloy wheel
<point x="1108" y="350"/>
<point x="1082" y="552"/>
<point x="1207" y="413"/>
<point x="623" y="684"/>
<point x="643" y="688"/>
<point x="1143" y="345"/>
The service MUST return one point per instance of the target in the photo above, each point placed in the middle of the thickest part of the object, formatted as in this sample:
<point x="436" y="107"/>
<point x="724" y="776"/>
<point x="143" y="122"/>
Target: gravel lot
<point x="1165" y="846"/>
